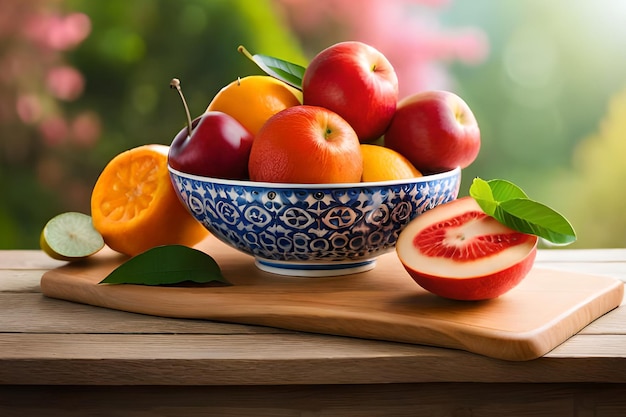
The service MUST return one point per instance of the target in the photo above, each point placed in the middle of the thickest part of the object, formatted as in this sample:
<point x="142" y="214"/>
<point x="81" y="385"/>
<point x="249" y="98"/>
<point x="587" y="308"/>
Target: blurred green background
<point x="81" y="81"/>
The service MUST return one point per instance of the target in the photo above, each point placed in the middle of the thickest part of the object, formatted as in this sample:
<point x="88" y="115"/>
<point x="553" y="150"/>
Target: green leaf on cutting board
<point x="285" y="71"/>
<point x="510" y="205"/>
<point x="168" y="265"/>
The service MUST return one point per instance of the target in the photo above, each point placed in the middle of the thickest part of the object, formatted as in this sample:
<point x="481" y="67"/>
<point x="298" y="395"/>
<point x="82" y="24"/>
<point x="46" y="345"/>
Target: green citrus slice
<point x="70" y="236"/>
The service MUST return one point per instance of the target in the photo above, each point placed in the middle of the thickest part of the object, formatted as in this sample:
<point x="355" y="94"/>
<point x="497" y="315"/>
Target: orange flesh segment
<point x="133" y="189"/>
<point x="135" y="207"/>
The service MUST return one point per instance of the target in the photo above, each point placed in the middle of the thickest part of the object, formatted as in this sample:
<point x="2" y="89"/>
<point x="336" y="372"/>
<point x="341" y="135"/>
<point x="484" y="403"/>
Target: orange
<point x="382" y="164"/>
<point x="254" y="99"/>
<point x="135" y="207"/>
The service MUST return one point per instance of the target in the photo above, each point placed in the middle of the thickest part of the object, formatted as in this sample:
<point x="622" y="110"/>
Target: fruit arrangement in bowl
<point x="317" y="171"/>
<point x="312" y="229"/>
<point x="299" y="176"/>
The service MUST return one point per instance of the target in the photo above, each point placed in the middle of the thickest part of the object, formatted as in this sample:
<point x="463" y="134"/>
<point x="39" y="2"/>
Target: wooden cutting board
<point x="543" y="311"/>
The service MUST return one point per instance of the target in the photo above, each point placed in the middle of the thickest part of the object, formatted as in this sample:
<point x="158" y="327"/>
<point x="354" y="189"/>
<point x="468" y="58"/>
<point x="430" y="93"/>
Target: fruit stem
<point x="244" y="51"/>
<point x="175" y="83"/>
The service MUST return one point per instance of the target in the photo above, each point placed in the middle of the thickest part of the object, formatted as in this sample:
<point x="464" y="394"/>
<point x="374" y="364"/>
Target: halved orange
<point x="135" y="207"/>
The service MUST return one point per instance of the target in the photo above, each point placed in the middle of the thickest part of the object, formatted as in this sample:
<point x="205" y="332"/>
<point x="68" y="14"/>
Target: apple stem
<point x="175" y="83"/>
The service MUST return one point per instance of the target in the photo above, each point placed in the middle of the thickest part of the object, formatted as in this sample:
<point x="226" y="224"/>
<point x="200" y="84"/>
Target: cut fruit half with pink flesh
<point x="457" y="251"/>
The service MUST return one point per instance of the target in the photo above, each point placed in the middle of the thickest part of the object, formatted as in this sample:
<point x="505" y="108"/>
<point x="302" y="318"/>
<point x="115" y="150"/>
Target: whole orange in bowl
<point x="135" y="207"/>
<point x="306" y="145"/>
<point x="253" y="99"/>
<point x="384" y="164"/>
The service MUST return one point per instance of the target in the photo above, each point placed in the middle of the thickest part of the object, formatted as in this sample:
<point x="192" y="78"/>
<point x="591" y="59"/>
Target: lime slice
<point x="70" y="236"/>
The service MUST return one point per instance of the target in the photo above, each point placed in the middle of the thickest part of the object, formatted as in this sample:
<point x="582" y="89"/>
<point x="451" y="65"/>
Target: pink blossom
<point x="54" y="131"/>
<point x="76" y="28"/>
<point x="28" y="108"/>
<point x="470" y="46"/>
<point x="65" y="82"/>
<point x="58" y="32"/>
<point x="86" y="129"/>
<point x="407" y="32"/>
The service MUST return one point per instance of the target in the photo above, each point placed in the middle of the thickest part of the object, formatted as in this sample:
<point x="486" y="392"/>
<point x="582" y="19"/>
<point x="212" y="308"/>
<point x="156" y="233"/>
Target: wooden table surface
<point x="63" y="358"/>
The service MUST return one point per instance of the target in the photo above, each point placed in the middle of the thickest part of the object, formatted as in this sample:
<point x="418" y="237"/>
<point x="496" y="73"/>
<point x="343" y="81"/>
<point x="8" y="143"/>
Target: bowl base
<point x="314" y="269"/>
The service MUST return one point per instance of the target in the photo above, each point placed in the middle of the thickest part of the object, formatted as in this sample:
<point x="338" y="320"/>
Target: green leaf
<point x="285" y="71"/>
<point x="167" y="265"/>
<point x="510" y="205"/>
<point x="532" y="217"/>
<point x="481" y="191"/>
<point x="504" y="190"/>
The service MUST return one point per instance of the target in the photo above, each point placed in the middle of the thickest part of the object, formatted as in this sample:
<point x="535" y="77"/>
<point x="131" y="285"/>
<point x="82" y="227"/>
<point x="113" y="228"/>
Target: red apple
<point x="355" y="81"/>
<point x="457" y="251"/>
<point x="306" y="144"/>
<point x="435" y="130"/>
<point x="219" y="147"/>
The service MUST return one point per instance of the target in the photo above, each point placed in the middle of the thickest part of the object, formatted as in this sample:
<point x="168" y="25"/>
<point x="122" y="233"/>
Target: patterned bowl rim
<point x="255" y="184"/>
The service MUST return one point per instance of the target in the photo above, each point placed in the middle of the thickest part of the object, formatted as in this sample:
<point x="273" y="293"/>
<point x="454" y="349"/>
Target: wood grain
<point x="59" y="358"/>
<point x="49" y="341"/>
<point x="546" y="309"/>
<point x="380" y="400"/>
<point x="267" y="359"/>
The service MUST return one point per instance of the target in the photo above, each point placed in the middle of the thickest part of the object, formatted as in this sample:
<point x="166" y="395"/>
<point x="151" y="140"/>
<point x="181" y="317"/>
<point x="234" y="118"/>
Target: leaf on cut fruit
<point x="285" y="71"/>
<point x="482" y="193"/>
<point x="531" y="217"/>
<point x="168" y="265"/>
<point x="510" y="205"/>
<point x="504" y="190"/>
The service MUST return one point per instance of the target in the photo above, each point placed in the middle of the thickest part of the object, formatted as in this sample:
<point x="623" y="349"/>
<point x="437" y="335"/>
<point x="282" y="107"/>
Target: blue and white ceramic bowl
<point x="312" y="229"/>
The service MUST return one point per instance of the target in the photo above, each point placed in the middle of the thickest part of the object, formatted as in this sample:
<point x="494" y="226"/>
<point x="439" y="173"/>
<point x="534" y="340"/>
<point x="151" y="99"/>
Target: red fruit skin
<point x="355" y="81"/>
<point x="457" y="251"/>
<point x="219" y="147"/>
<point x="295" y="146"/>
<point x="478" y="288"/>
<point x="435" y="130"/>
